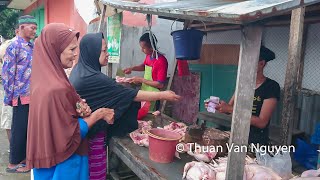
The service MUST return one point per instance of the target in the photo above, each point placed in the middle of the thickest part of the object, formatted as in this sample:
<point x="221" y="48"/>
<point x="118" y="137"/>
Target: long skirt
<point x="97" y="157"/>
<point x="18" y="142"/>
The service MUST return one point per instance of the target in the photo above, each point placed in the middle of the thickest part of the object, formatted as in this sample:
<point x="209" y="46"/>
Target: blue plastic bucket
<point x="187" y="44"/>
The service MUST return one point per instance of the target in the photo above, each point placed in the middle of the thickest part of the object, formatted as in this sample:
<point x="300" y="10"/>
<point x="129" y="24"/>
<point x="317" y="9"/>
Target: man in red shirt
<point x="155" y="66"/>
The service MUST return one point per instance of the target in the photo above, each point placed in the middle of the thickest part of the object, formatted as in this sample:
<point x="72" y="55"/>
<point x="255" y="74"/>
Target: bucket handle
<point x="205" y="27"/>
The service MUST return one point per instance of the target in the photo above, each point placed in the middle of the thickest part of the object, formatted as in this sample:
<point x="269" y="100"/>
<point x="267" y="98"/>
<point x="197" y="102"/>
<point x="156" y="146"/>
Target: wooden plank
<point x="224" y="54"/>
<point x="246" y="81"/>
<point x="294" y="58"/>
<point x="170" y="83"/>
<point x="101" y="23"/>
<point x="217" y="118"/>
<point x="188" y="87"/>
<point x="300" y="76"/>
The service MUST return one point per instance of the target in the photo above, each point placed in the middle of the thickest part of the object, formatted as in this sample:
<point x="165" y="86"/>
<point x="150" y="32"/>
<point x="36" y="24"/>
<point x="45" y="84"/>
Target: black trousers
<point x="19" y="126"/>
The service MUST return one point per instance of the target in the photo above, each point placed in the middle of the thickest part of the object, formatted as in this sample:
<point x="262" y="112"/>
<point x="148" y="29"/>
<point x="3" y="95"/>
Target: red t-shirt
<point x="159" y="67"/>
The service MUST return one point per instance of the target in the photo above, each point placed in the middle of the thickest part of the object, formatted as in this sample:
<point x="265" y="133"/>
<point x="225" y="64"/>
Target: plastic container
<point x="162" y="145"/>
<point x="187" y="44"/>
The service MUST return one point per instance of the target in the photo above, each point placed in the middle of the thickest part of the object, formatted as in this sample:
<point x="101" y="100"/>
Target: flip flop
<point x="14" y="169"/>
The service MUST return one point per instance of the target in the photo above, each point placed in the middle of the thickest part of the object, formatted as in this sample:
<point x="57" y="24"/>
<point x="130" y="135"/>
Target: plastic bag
<point x="280" y="163"/>
<point x="306" y="154"/>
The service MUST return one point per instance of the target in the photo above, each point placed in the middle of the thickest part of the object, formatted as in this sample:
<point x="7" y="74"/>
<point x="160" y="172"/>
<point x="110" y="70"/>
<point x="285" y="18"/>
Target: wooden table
<point x="218" y="118"/>
<point x="137" y="158"/>
<point x="225" y="120"/>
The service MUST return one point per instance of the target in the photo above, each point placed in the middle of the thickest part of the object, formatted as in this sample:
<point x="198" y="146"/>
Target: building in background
<point x="52" y="11"/>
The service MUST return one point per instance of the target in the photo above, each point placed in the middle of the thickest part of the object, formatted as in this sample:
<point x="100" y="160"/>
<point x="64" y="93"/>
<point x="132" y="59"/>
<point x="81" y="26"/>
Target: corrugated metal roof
<point x="20" y="4"/>
<point x="221" y="11"/>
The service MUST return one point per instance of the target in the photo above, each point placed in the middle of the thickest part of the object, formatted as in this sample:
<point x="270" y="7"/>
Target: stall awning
<point x="20" y="4"/>
<point x="220" y="11"/>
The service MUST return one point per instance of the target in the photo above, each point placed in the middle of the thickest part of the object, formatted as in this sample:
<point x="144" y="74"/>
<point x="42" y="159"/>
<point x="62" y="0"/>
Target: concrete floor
<point x="4" y="155"/>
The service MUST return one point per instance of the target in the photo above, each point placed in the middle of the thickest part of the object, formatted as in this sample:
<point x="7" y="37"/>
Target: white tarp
<point x="86" y="9"/>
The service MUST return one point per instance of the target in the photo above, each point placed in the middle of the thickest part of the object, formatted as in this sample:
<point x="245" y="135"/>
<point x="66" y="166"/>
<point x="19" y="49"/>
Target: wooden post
<point x="290" y="84"/>
<point x="297" y="111"/>
<point x="246" y="81"/>
<point x="169" y="84"/>
<point x="101" y="23"/>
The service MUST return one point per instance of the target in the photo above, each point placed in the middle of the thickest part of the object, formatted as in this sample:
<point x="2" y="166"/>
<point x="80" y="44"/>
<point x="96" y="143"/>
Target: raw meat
<point x="156" y="113"/>
<point x="177" y="127"/>
<point x="198" y="171"/>
<point x="258" y="172"/>
<point x="202" y="156"/>
<point x="252" y="171"/>
<point x="138" y="136"/>
<point x="311" y="173"/>
<point x="122" y="79"/>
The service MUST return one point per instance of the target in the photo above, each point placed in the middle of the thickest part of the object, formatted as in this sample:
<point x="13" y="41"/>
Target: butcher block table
<point x="137" y="158"/>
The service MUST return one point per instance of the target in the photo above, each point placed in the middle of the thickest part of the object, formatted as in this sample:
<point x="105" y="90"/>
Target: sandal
<point x="15" y="169"/>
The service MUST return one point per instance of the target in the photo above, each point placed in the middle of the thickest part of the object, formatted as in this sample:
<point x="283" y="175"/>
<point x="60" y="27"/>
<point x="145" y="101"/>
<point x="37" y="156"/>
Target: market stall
<point x="248" y="16"/>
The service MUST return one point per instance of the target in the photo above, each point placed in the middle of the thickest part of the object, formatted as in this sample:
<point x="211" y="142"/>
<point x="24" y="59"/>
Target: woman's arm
<point x="154" y="96"/>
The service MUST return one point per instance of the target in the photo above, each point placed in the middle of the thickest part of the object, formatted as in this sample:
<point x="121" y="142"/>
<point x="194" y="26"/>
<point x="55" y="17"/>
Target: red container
<point x="162" y="145"/>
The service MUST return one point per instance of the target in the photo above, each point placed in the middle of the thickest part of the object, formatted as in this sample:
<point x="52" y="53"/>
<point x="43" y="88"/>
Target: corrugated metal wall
<point x="307" y="111"/>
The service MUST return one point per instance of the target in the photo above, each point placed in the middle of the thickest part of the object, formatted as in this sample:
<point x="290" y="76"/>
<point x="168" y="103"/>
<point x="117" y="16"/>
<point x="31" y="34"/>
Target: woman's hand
<point x="102" y="113"/>
<point x="223" y="107"/>
<point x="169" y="96"/>
<point x="83" y="109"/>
<point x="105" y="114"/>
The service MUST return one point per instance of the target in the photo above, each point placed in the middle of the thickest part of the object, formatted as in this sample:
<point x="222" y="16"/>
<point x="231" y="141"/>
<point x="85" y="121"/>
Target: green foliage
<point x="8" y="20"/>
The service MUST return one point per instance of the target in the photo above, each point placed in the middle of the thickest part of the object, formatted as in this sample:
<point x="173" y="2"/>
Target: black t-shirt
<point x="269" y="89"/>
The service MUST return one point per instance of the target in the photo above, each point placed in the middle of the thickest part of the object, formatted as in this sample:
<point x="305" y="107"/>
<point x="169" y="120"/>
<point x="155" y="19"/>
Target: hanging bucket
<point x="187" y="43"/>
<point x="162" y="145"/>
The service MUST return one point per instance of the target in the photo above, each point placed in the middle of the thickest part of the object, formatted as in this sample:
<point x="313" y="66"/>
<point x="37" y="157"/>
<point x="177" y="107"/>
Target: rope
<point x="152" y="37"/>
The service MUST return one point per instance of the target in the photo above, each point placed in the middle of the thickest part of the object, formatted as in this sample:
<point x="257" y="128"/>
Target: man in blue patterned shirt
<point x="16" y="72"/>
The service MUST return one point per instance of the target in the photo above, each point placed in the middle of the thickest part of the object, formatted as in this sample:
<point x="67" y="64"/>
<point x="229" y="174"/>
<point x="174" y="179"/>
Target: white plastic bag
<point x="280" y="163"/>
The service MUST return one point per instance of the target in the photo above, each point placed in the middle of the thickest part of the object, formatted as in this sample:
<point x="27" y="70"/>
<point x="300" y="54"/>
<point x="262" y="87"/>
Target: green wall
<point x="216" y="80"/>
<point x="39" y="15"/>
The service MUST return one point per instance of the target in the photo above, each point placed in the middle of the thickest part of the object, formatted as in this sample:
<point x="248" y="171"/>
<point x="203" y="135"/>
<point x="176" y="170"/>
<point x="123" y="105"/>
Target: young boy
<point x="155" y="67"/>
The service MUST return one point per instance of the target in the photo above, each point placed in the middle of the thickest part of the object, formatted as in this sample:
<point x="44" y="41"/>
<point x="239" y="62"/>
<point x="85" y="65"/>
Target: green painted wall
<point x="216" y="80"/>
<point x="39" y="15"/>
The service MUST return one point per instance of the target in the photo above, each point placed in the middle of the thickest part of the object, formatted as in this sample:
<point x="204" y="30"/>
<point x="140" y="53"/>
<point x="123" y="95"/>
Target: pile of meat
<point x="140" y="138"/>
<point x="217" y="171"/>
<point x="309" y="174"/>
<point x="122" y="79"/>
<point x="177" y="127"/>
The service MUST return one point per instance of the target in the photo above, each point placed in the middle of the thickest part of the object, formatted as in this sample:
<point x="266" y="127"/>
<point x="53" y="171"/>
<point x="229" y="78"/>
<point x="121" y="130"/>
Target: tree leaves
<point x="8" y="20"/>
